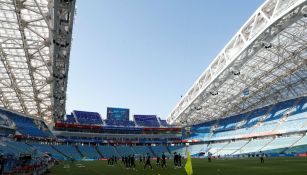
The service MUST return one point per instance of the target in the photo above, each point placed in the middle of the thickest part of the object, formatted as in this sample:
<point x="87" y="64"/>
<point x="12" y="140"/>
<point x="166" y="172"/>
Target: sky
<point x="145" y="54"/>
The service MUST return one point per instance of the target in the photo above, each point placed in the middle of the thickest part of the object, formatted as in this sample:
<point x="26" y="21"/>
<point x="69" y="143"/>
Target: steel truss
<point x="35" y="38"/>
<point x="267" y="57"/>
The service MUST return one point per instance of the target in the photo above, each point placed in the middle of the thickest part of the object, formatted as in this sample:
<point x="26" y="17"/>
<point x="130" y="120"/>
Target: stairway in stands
<point x="153" y="153"/>
<point x="261" y="121"/>
<point x="218" y="150"/>
<point x="115" y="150"/>
<point x="76" y="146"/>
<point x="285" y="116"/>
<point x="266" y="144"/>
<point x="241" y="147"/>
<point x="59" y="151"/>
<point x="293" y="144"/>
<point x="100" y="154"/>
<point x="169" y="151"/>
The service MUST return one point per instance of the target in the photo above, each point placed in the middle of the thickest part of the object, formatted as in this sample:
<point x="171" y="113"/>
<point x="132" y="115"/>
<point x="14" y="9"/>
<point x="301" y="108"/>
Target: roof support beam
<point x="18" y="4"/>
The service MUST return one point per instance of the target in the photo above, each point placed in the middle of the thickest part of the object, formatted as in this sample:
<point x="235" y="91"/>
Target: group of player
<point x="177" y="160"/>
<point x="112" y="160"/>
<point x="128" y="161"/>
<point x="145" y="160"/>
<point x="161" y="161"/>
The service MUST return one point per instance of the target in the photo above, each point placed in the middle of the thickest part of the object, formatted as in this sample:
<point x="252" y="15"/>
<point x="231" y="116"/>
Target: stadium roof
<point x="265" y="62"/>
<point x="35" y="39"/>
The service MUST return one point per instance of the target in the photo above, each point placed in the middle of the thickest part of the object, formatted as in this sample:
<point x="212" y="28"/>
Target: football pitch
<point x="250" y="166"/>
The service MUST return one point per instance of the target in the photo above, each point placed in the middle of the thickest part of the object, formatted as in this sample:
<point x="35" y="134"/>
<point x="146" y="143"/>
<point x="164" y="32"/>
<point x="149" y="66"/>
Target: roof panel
<point x="26" y="53"/>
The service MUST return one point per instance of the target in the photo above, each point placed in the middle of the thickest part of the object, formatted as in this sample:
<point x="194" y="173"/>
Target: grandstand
<point x="146" y="120"/>
<point x="251" y="100"/>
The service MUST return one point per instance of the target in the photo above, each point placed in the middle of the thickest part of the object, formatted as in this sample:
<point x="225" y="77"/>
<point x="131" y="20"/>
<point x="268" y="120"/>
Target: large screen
<point x="117" y="114"/>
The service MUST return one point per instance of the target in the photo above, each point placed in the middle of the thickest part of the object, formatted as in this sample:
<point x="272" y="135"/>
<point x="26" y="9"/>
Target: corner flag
<point x="188" y="164"/>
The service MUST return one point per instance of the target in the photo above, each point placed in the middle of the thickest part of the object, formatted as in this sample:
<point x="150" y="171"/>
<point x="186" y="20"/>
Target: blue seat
<point x="28" y="126"/>
<point x="146" y="120"/>
<point x="70" y="118"/>
<point x="84" y="117"/>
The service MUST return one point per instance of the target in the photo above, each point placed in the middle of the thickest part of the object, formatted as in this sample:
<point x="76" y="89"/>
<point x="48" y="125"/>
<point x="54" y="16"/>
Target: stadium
<point x="245" y="114"/>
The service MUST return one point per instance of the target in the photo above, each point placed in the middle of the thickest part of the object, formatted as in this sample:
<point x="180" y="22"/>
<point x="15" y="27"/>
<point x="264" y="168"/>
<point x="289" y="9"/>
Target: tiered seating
<point x="294" y="123"/>
<point x="297" y="149"/>
<point x="266" y="127"/>
<point x="4" y="121"/>
<point x="287" y="116"/>
<point x="200" y="136"/>
<point x="69" y="150"/>
<point x="17" y="148"/>
<point x="158" y="150"/>
<point x="254" y="146"/>
<point x="163" y="123"/>
<point x="232" y="147"/>
<point x="231" y="134"/>
<point x="124" y="150"/>
<point x="299" y="146"/>
<point x="280" y="109"/>
<point x="229" y="123"/>
<point x="146" y="120"/>
<point x="302" y="105"/>
<point x="84" y="117"/>
<point x="142" y="150"/>
<point x="255" y="116"/>
<point x="216" y="147"/>
<point x="48" y="149"/>
<point x="70" y="119"/>
<point x="196" y="149"/>
<point x="204" y="127"/>
<point x="27" y="126"/>
<point x="202" y="131"/>
<point x="12" y="152"/>
<point x="88" y="151"/>
<point x="178" y="149"/>
<point x="108" y="151"/>
<point x="280" y="144"/>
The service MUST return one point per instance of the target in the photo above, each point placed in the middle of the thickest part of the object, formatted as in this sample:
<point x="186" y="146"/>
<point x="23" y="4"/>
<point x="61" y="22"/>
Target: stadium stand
<point x="84" y="117"/>
<point x="142" y="150"/>
<point x="124" y="150"/>
<point x="69" y="150"/>
<point x="163" y="123"/>
<point x="26" y="125"/>
<point x="15" y="154"/>
<point x="88" y="151"/>
<point x="108" y="151"/>
<point x="195" y="149"/>
<point x="243" y="134"/>
<point x="300" y="146"/>
<point x="230" y="148"/>
<point x="254" y="146"/>
<point x="45" y="148"/>
<point x="179" y="149"/>
<point x="216" y="147"/>
<point x="267" y="120"/>
<point x="280" y="144"/>
<point x="15" y="148"/>
<point x="158" y="150"/>
<point x="70" y="118"/>
<point x="146" y="120"/>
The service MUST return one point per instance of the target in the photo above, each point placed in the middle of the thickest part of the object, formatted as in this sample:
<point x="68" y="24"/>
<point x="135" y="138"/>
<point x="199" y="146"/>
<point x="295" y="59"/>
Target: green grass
<point x="252" y="166"/>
